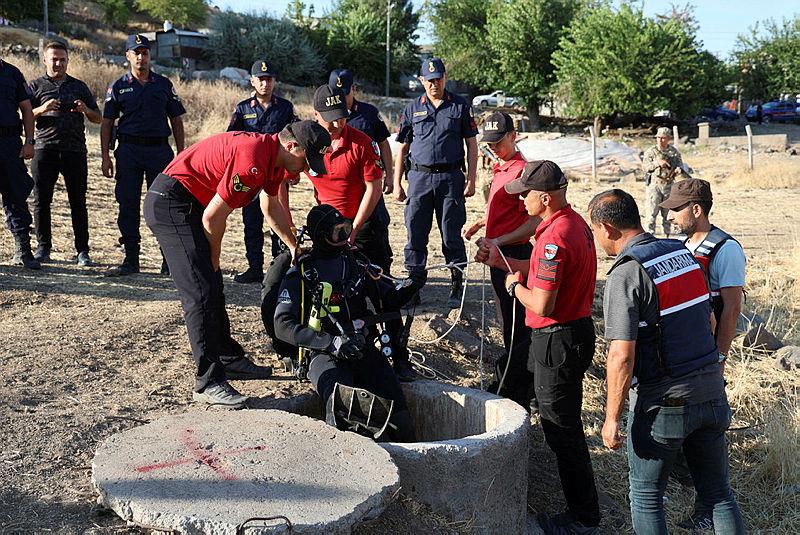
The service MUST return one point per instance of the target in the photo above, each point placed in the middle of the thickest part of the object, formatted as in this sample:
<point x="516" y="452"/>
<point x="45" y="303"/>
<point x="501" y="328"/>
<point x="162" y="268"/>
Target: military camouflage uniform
<point x="659" y="183"/>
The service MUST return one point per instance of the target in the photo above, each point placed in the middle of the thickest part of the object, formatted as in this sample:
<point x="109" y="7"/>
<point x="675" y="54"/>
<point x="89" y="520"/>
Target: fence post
<point x="675" y="137"/>
<point x="749" y="146"/>
<point x="594" y="153"/>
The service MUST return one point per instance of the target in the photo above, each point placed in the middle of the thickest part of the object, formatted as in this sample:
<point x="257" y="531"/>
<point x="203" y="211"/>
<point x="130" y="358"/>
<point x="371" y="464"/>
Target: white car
<point x="496" y="98"/>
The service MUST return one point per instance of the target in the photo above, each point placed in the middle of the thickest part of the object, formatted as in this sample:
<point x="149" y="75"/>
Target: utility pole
<point x="388" y="43"/>
<point x="46" y="19"/>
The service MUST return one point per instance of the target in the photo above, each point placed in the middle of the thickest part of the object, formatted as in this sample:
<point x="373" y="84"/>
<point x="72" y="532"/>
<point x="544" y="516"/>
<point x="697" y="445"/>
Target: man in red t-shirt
<point x="509" y="227"/>
<point x="558" y="299"/>
<point x="187" y="208"/>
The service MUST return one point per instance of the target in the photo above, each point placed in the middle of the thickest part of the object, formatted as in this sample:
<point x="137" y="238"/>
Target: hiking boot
<point x="126" y="268"/>
<point x="456" y="289"/>
<point x="164" y="268"/>
<point x="130" y="264"/>
<point x="220" y="394"/>
<point x="700" y="521"/>
<point x="404" y="371"/>
<point x="42" y="254"/>
<point x="242" y="369"/>
<point x="564" y="524"/>
<point x="22" y="253"/>
<point x="252" y="275"/>
<point x="84" y="260"/>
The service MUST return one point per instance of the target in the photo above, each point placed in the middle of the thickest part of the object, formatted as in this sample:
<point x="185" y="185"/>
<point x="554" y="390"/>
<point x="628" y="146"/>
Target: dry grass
<point x="766" y="174"/>
<point x="208" y="104"/>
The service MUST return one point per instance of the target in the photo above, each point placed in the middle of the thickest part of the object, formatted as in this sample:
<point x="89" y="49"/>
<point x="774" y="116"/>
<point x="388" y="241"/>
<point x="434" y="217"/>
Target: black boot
<point x="130" y="264"/>
<point x="242" y="369"/>
<point x="253" y="274"/>
<point x="456" y="288"/>
<point x="22" y="253"/>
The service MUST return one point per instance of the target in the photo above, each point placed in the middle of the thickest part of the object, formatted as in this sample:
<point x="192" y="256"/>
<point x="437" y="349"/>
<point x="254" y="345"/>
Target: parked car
<point x="775" y="111"/>
<point x="492" y="100"/>
<point x="720" y="113"/>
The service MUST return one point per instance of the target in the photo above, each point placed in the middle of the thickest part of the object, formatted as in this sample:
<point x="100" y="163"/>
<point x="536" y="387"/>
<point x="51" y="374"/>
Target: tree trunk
<point x="533" y="115"/>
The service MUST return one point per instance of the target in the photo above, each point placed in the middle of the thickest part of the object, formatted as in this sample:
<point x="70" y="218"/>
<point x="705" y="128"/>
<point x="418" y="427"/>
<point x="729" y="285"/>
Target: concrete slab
<point x="207" y="472"/>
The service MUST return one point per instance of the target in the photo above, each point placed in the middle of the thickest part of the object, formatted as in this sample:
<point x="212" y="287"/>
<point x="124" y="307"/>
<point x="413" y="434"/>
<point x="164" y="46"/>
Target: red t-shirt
<point x="563" y="259"/>
<point x="354" y="162"/>
<point x="237" y="165"/>
<point x="505" y="212"/>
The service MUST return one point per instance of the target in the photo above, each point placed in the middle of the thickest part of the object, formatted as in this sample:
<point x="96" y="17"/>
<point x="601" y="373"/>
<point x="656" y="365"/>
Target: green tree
<point x="236" y="40"/>
<point x="180" y="12"/>
<point x="768" y="59"/>
<point x="460" y="30"/>
<point x="620" y="62"/>
<point x="19" y="10"/>
<point x="522" y="36"/>
<point x="356" y="37"/>
<point x="117" y="12"/>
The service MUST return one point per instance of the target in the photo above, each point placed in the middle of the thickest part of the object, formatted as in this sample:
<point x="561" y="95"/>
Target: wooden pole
<point x="594" y="153"/>
<point x="675" y="138"/>
<point x="749" y="146"/>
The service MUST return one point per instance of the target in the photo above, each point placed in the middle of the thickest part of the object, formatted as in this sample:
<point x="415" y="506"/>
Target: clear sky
<point x="720" y="20"/>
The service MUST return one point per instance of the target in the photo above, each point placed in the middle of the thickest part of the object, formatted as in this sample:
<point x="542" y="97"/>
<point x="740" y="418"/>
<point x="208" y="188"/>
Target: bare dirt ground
<point x="84" y="357"/>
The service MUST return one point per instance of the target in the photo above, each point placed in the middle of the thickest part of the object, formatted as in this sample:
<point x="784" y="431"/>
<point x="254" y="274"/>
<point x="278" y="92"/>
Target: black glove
<point x="345" y="347"/>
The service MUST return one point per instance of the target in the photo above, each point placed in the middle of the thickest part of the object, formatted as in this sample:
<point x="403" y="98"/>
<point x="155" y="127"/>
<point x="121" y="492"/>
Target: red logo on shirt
<point x="547" y="270"/>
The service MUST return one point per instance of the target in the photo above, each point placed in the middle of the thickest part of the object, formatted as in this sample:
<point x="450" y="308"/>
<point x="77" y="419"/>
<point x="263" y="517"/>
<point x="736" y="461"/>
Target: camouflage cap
<point x="664" y="132"/>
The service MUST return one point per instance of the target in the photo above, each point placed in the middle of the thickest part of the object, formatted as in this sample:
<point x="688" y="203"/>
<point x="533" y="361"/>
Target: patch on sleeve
<point x="547" y="270"/>
<point x="284" y="297"/>
<point x="239" y="186"/>
<point x="376" y="149"/>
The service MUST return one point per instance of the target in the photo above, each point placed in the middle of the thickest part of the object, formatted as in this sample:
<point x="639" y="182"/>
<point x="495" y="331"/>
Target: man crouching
<point x="323" y="310"/>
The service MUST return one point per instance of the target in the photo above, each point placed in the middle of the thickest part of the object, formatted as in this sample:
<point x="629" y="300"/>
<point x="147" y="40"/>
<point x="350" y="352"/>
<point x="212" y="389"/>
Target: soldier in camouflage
<point x="662" y="164"/>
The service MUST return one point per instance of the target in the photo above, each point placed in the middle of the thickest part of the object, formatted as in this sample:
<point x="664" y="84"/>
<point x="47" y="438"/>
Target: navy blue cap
<point x="432" y="68"/>
<point x="137" y="41"/>
<point x="341" y="79"/>
<point x="263" y="67"/>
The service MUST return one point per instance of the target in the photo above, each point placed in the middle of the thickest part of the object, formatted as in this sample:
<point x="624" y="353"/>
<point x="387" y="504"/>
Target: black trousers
<point x="175" y="217"/>
<point x="559" y="357"/>
<point x="373" y="373"/>
<point x="518" y="382"/>
<point x="15" y="186"/>
<point x="253" y="219"/>
<point x="47" y="164"/>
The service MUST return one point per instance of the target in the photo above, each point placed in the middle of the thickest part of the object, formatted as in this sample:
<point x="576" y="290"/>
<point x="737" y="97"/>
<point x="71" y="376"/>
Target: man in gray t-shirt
<point x="657" y="316"/>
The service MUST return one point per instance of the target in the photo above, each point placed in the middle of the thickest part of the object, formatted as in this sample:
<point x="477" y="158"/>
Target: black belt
<point x="10" y="131"/>
<point x="561" y="326"/>
<point x="437" y="167"/>
<point x="143" y="141"/>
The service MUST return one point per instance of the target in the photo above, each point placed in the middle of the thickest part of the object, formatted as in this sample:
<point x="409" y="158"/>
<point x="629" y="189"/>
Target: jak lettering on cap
<point x="329" y="102"/>
<point x="497" y="125"/>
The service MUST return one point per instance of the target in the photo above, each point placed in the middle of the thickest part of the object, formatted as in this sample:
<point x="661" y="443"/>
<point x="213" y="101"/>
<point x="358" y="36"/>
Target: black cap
<point x="137" y="41"/>
<point x="432" y="68"/>
<point x="263" y="67"/>
<point x="315" y="140"/>
<point x="329" y="102"/>
<point x="341" y="79"/>
<point x="538" y="175"/>
<point x="496" y="126"/>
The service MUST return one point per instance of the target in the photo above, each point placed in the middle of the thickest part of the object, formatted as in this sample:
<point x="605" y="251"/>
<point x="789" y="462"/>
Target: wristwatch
<point x="511" y="288"/>
<point x="722" y="357"/>
<point x="30" y="141"/>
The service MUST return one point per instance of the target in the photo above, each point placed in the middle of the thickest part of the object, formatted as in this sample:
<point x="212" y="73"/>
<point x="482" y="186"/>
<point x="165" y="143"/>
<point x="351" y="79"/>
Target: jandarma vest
<point x="680" y="342"/>
<point x="704" y="254"/>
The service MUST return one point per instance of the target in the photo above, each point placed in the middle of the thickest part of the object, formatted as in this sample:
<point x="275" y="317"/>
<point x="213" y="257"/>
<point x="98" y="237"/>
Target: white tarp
<point x="576" y="153"/>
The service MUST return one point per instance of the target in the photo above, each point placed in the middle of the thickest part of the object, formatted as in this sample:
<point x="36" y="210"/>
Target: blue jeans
<point x="654" y="439"/>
